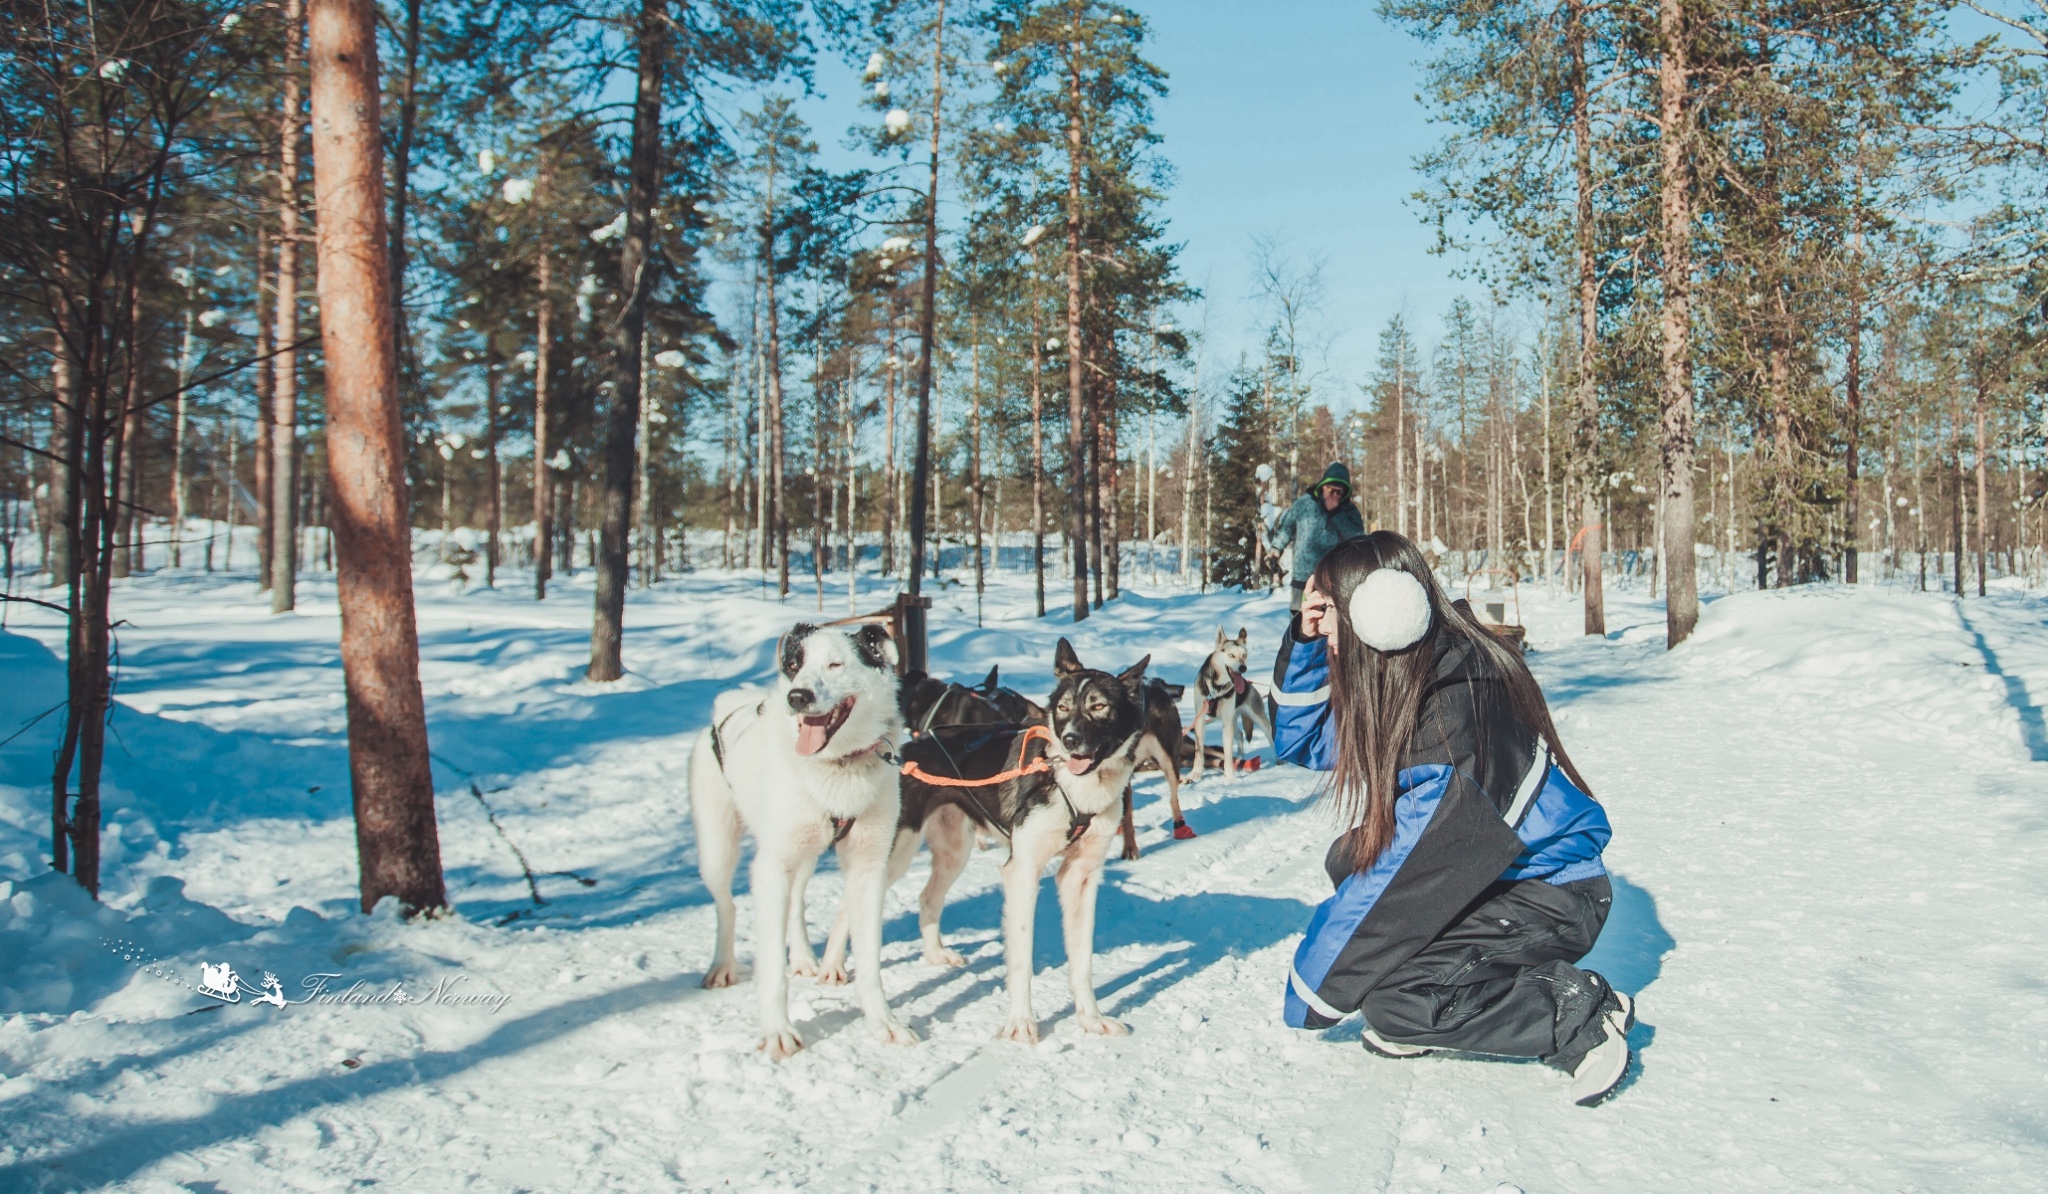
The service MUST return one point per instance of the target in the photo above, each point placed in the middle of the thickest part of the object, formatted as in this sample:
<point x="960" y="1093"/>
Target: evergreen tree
<point x="1244" y="445"/>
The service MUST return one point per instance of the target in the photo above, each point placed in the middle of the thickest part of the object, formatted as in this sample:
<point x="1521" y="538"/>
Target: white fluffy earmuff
<point x="1389" y="610"/>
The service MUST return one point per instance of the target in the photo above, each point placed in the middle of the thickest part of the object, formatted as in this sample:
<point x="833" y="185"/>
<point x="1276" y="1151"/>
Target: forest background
<point x="1742" y="293"/>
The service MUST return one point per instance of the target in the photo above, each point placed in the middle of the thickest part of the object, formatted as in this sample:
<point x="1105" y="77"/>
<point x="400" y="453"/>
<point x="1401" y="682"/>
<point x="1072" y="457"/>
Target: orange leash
<point x="1032" y="768"/>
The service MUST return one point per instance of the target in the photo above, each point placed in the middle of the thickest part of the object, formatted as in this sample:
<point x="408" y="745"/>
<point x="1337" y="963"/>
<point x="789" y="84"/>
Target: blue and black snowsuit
<point x="1462" y="934"/>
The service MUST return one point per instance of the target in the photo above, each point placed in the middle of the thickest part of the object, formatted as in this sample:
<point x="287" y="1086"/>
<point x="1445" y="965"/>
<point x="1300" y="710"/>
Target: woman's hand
<point x="1318" y="614"/>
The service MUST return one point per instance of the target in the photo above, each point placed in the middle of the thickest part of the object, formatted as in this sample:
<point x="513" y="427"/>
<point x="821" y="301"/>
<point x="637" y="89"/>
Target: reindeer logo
<point x="273" y="991"/>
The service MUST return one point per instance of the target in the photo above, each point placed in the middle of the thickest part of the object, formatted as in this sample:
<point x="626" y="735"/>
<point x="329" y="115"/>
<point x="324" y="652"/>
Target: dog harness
<point x="1077" y="821"/>
<point x="1034" y="767"/>
<point x="924" y="724"/>
<point x="1238" y="685"/>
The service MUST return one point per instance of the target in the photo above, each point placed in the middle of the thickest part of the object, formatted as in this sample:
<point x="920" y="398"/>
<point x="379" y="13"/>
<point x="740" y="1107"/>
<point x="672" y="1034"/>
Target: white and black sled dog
<point x="805" y="766"/>
<point x="1222" y="692"/>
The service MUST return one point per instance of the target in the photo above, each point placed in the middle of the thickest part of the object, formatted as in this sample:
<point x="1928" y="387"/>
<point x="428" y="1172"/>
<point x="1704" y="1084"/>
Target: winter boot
<point x="1181" y="832"/>
<point x="1600" y="1070"/>
<point x="1380" y="1046"/>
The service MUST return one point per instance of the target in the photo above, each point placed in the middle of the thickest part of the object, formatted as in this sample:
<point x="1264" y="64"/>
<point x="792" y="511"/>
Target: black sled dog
<point x="1050" y="792"/>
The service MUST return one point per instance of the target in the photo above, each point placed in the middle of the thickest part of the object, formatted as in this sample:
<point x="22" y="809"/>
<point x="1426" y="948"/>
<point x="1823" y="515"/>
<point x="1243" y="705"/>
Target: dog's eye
<point x="835" y="663"/>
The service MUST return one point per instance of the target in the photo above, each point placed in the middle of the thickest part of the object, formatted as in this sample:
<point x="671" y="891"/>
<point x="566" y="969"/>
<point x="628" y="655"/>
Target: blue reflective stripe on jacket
<point x="1337" y="919"/>
<point x="1301" y="732"/>
<point x="1563" y="834"/>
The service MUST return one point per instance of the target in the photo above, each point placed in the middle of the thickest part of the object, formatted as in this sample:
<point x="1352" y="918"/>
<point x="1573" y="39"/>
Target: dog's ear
<point x="1243" y="635"/>
<point x="790" y="651"/>
<point x="1064" y="661"/>
<point x="1221" y="638"/>
<point x="989" y="684"/>
<point x="876" y="648"/>
<point x="1134" y="675"/>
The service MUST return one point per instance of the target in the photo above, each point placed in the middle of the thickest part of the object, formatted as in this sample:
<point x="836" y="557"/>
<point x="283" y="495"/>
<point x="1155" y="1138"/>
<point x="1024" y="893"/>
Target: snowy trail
<point x="1829" y="811"/>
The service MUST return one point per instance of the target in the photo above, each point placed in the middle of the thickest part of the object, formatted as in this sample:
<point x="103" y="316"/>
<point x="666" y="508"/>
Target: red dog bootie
<point x="1250" y="764"/>
<point x="1181" y="832"/>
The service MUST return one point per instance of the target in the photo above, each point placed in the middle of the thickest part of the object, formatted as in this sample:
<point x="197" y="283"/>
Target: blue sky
<point x="1297" y="120"/>
<point x="1290" y="119"/>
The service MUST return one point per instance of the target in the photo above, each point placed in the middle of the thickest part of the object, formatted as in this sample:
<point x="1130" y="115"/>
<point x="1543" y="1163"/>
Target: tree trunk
<point x="928" y="327"/>
<point x="396" y="838"/>
<point x="266" y="377"/>
<point x="732" y="462"/>
<point x="1681" y="589"/>
<point x="1187" y="472"/>
<point x="761" y="437"/>
<point x="774" y="508"/>
<point x="543" y="485"/>
<point x="889" y="367"/>
<point x="1983" y="493"/>
<point x="179" y="485"/>
<point x="1585" y="465"/>
<point x="401" y="188"/>
<point x="1956" y="517"/>
<point x="1111" y="529"/>
<point x="622" y="423"/>
<point x="60" y="561"/>
<point x="1852" y="507"/>
<point x="1077" y="424"/>
<point x="974" y="510"/>
<point x="285" y="393"/>
<point x="1091" y="550"/>
<point x="1037" y="453"/>
<point x="234" y="482"/>
<point x="126" y="507"/>
<point x="497" y="475"/>
<point x="1400" y="442"/>
<point x="643" y="493"/>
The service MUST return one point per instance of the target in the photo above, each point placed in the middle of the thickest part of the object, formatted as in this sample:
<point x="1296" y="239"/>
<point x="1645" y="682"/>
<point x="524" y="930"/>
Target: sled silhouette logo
<point x="220" y="981"/>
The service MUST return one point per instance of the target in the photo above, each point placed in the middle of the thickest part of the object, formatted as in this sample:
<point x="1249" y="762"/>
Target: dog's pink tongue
<point x="812" y="734"/>
<point x="1079" y="764"/>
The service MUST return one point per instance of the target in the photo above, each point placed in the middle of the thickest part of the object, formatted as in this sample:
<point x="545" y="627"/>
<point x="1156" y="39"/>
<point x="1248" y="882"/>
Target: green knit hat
<point x="1337" y="475"/>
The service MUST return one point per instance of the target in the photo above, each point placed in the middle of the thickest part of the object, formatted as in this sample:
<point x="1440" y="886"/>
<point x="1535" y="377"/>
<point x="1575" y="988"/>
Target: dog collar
<point x="881" y="746"/>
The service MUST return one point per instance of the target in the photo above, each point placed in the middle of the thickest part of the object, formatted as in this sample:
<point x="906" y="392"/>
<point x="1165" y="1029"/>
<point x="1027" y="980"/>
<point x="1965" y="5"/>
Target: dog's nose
<point x="801" y="699"/>
<point x="1071" y="741"/>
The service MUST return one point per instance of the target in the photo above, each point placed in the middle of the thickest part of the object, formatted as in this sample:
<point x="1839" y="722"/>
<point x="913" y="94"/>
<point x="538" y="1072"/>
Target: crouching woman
<point x="1470" y="878"/>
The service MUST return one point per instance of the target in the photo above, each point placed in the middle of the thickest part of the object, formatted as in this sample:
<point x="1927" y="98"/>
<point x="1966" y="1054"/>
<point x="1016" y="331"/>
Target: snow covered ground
<point x="1830" y="827"/>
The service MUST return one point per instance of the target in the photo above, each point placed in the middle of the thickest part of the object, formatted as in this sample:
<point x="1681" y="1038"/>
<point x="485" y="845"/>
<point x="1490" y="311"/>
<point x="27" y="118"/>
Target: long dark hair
<point x="1376" y="696"/>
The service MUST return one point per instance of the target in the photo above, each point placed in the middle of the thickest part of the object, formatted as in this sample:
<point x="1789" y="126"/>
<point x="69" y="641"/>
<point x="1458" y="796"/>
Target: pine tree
<point x="1244" y="443"/>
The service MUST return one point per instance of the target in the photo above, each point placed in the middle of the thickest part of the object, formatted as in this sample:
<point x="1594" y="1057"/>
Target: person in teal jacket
<point x="1318" y="520"/>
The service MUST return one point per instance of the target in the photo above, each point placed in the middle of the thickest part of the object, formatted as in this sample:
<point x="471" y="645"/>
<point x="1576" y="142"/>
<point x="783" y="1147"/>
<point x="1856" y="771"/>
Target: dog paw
<point x="725" y="974"/>
<point x="804" y="967"/>
<point x="831" y="974"/>
<point x="1022" y="1029"/>
<point x="781" y="1043"/>
<point x="892" y="1031"/>
<point x="1101" y="1025"/>
<point x="944" y="957"/>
